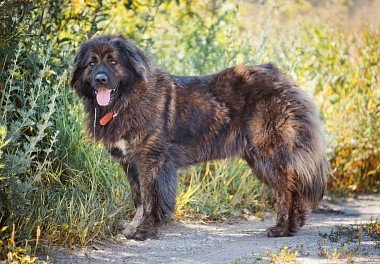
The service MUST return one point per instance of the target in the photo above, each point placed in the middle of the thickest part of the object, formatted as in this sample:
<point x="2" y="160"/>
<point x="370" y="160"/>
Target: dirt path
<point x="245" y="241"/>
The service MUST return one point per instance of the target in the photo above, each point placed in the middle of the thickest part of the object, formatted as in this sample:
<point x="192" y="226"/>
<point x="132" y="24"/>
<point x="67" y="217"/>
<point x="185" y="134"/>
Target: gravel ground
<point x="241" y="241"/>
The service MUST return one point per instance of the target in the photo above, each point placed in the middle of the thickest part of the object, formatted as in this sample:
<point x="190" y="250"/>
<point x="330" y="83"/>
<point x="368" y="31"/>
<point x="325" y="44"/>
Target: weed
<point x="341" y="252"/>
<point x="373" y="229"/>
<point x="239" y="261"/>
<point x="285" y="255"/>
<point x="350" y="233"/>
<point x="350" y="240"/>
<point x="13" y="251"/>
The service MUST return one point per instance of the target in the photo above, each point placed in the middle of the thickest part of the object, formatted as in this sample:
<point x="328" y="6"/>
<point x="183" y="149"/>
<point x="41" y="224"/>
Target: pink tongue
<point x="103" y="97"/>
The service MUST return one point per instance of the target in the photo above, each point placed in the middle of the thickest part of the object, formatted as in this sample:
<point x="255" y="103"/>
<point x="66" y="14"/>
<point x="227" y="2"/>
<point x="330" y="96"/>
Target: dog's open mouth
<point x="103" y="96"/>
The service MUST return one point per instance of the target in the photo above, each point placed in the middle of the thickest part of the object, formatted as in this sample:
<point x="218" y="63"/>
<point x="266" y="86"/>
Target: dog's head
<point x="108" y="67"/>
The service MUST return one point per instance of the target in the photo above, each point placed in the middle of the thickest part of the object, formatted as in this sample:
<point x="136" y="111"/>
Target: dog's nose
<point x="101" y="78"/>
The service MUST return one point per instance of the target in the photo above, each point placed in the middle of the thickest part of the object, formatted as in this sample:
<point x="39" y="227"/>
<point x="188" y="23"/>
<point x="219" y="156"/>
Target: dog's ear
<point x="131" y="54"/>
<point x="76" y="81"/>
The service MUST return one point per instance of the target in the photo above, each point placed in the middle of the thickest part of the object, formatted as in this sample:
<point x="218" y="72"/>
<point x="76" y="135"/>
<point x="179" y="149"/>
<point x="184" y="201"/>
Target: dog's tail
<point x="309" y="159"/>
<point x="311" y="171"/>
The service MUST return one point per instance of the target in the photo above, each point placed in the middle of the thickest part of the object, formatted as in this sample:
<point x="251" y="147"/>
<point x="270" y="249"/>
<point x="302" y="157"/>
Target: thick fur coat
<point x="154" y="123"/>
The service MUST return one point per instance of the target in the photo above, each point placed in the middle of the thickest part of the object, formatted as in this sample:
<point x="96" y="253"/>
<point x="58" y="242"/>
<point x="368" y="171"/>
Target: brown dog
<point x="155" y="123"/>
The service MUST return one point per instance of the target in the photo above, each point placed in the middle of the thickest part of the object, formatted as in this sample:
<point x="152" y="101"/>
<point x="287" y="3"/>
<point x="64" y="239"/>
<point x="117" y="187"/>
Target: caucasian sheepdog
<point x="154" y="123"/>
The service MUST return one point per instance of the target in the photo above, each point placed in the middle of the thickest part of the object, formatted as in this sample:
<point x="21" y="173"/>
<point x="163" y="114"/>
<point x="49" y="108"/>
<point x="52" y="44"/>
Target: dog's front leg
<point x="158" y="186"/>
<point x="134" y="182"/>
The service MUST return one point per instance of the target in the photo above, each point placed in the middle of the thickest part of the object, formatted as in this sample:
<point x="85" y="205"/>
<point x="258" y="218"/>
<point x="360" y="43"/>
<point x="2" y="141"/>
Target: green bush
<point x="52" y="176"/>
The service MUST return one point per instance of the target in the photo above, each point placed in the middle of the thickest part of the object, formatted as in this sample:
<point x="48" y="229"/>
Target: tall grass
<point x="53" y="177"/>
<point x="218" y="190"/>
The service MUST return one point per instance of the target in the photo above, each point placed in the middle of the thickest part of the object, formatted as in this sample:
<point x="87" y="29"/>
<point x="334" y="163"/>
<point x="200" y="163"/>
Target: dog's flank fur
<point x="167" y="122"/>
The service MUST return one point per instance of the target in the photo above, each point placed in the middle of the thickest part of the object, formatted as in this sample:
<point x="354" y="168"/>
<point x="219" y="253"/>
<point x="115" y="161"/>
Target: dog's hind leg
<point x="282" y="189"/>
<point x="286" y="149"/>
<point x="299" y="211"/>
<point x="281" y="183"/>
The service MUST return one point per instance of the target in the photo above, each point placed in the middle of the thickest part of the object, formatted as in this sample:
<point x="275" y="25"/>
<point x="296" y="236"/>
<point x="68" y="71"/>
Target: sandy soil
<point x="240" y="241"/>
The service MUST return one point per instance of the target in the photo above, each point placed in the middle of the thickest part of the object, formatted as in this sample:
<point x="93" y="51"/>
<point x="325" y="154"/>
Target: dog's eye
<point x="113" y="62"/>
<point x="91" y="64"/>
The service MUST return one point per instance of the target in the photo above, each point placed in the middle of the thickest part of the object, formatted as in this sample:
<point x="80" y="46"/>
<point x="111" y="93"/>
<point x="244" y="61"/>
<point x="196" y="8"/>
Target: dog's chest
<point x="119" y="149"/>
<point x="124" y="150"/>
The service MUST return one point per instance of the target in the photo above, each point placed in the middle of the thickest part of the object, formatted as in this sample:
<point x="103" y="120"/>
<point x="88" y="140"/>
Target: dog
<point x="154" y="123"/>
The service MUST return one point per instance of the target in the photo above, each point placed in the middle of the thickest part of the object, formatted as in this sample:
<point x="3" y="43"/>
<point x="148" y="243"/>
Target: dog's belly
<point x="226" y="145"/>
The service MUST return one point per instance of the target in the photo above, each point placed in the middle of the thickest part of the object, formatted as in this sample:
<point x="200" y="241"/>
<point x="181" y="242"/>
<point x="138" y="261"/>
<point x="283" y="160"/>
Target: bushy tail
<point x="313" y="180"/>
<point x="310" y="161"/>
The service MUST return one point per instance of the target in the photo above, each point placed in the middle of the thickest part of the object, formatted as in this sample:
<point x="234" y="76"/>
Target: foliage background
<point x="56" y="180"/>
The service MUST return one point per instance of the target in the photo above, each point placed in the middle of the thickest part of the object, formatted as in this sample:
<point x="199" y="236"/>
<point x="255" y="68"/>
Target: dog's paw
<point x="277" y="231"/>
<point x="123" y="224"/>
<point x="131" y="232"/>
<point x="141" y="236"/>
